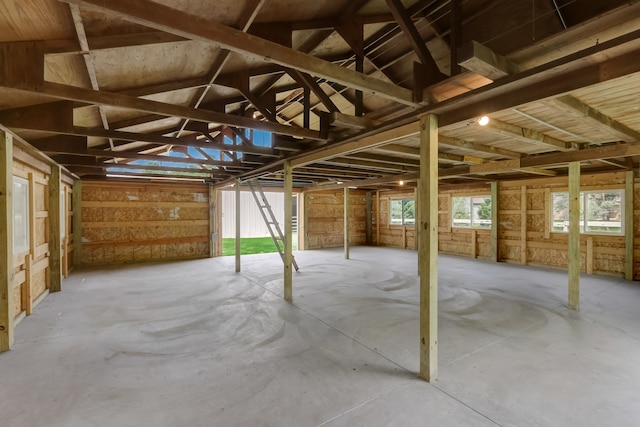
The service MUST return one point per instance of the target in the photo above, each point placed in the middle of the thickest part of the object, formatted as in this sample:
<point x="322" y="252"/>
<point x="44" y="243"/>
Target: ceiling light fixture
<point x="483" y="121"/>
<point x="401" y="183"/>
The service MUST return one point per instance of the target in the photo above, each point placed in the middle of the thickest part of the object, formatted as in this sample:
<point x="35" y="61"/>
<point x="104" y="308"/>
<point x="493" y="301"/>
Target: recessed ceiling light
<point x="483" y="121"/>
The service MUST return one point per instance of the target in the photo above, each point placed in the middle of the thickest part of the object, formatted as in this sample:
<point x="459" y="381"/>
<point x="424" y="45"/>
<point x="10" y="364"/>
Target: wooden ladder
<point x="269" y="218"/>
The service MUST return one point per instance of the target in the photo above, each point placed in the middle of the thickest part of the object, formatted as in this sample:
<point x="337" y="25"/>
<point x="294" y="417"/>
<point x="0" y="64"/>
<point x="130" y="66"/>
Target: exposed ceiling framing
<point x="105" y="84"/>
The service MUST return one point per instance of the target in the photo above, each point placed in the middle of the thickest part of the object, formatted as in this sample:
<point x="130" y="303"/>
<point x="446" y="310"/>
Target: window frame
<point x="585" y="211"/>
<point x="471" y="225"/>
<point x="403" y="222"/>
<point x="21" y="186"/>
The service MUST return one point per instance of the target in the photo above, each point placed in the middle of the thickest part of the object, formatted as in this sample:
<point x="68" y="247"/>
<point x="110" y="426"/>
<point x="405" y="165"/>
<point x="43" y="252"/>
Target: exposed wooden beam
<point x="479" y="59"/>
<point x="69" y="46"/>
<point x="176" y="22"/>
<point x="365" y="183"/>
<point x="138" y="156"/>
<point x="310" y="83"/>
<point x="525" y="135"/>
<point x="55" y="239"/>
<point x="539" y="171"/>
<point x="371" y="141"/>
<point x="502" y="166"/>
<point x="73" y="93"/>
<point x="288" y="232"/>
<point x="474" y="146"/>
<point x="576" y="108"/>
<point x="409" y="29"/>
<point x="346" y="121"/>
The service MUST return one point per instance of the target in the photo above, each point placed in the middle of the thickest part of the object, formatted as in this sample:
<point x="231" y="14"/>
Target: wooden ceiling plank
<point x="406" y="177"/>
<point x="576" y="108"/>
<point x="174" y="21"/>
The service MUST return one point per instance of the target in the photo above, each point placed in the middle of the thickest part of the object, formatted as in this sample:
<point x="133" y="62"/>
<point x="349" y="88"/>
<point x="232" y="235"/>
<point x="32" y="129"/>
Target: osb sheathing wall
<point x="400" y="236"/>
<point x="126" y="222"/>
<point x="524" y="236"/>
<point x="324" y="216"/>
<point x="31" y="267"/>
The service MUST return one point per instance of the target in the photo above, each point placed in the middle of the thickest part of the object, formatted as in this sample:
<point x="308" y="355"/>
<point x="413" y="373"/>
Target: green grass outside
<point x="250" y="245"/>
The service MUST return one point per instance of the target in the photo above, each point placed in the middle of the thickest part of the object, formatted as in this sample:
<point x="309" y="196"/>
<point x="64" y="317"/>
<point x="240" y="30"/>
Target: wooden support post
<point x="428" y="249"/>
<point x="378" y="217"/>
<point x="7" y="316"/>
<point x="494" y="221"/>
<point x="302" y="221"/>
<point x="213" y="222"/>
<point x="27" y="299"/>
<point x="346" y="222"/>
<point x="629" y="226"/>
<point x="238" y="207"/>
<point x="368" y="213"/>
<point x="32" y="214"/>
<point x="523" y="225"/>
<point x="306" y="114"/>
<point x="547" y="213"/>
<point x="288" y="230"/>
<point x="55" y="240"/>
<point x="416" y="220"/>
<point x="76" y="206"/>
<point x="67" y="224"/>
<point x="474" y="241"/>
<point x="574" y="235"/>
<point x="589" y="255"/>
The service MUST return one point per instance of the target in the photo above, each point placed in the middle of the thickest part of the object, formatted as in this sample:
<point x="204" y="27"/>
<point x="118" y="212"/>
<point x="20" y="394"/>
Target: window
<point x="403" y="212"/>
<point x="20" y="215"/>
<point x="600" y="212"/>
<point x="471" y="212"/>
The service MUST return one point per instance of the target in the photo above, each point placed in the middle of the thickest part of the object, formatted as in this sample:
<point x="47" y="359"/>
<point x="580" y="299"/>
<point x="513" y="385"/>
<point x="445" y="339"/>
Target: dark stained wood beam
<point x="310" y="83"/>
<point x="176" y="22"/>
<point x="409" y="29"/>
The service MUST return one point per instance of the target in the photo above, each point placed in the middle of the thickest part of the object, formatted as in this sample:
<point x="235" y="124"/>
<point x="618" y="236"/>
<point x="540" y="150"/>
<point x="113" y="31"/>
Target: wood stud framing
<point x="6" y="242"/>
<point x="55" y="239"/>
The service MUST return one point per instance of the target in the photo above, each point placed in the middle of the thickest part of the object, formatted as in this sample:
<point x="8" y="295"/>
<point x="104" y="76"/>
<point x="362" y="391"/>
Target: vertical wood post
<point x="238" y="207"/>
<point x="378" y="219"/>
<point x="523" y="225"/>
<point x="368" y="222"/>
<point x="416" y="220"/>
<point x="288" y="230"/>
<point x="214" y="224"/>
<point x="629" y="226"/>
<point x="494" y="221"/>
<point x="346" y="222"/>
<point x="6" y="242"/>
<point x="302" y="221"/>
<point x="77" y="223"/>
<point x="574" y="235"/>
<point x="55" y="239"/>
<point x="428" y="249"/>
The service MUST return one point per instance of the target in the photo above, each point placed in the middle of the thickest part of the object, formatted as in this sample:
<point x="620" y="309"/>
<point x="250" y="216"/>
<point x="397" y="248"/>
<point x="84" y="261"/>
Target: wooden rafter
<point x="174" y="21"/>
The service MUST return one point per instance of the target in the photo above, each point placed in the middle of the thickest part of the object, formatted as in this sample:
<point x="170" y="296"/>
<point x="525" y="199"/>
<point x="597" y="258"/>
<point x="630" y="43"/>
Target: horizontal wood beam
<point x="481" y="148"/>
<point x="71" y="46"/>
<point x="373" y="182"/>
<point x="74" y="93"/>
<point x="481" y="60"/>
<point x="182" y="24"/>
<point x="53" y="143"/>
<point x="576" y="108"/>
<point x="525" y="135"/>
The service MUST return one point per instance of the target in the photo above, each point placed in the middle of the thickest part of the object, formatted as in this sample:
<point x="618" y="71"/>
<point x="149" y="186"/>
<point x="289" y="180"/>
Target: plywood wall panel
<point x="132" y="222"/>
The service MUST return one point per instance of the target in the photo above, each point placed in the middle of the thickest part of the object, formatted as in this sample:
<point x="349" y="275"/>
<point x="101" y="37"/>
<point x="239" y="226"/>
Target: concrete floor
<point x="194" y="344"/>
